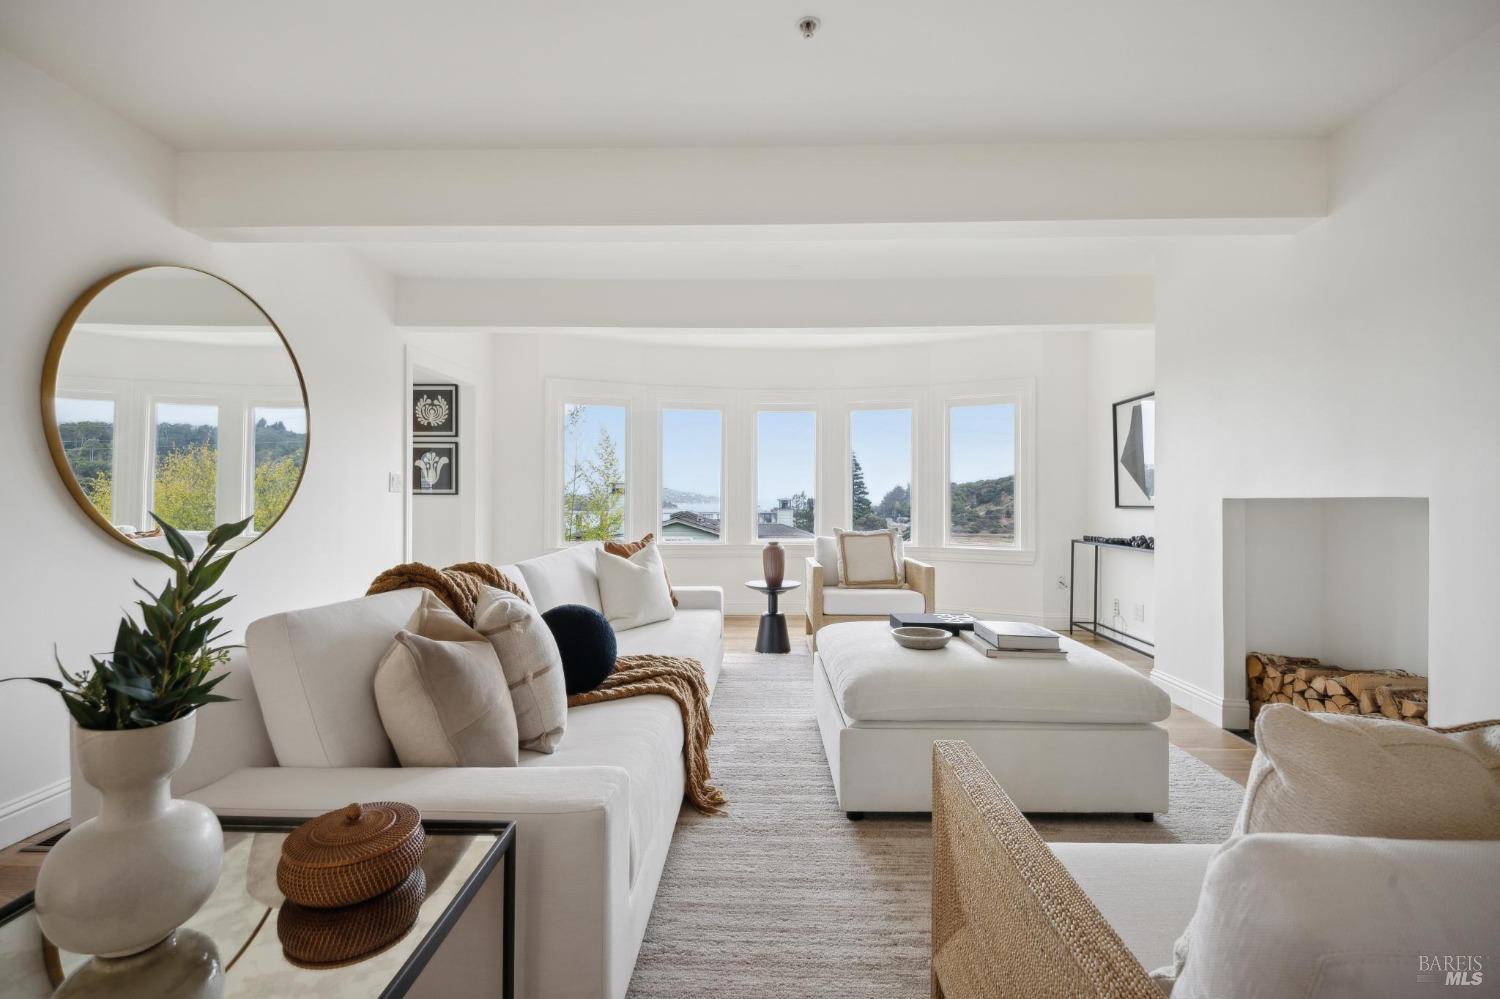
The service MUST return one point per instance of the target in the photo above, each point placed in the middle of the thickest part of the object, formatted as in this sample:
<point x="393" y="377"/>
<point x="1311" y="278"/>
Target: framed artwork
<point x="436" y="465"/>
<point x="434" y="410"/>
<point x="1135" y="452"/>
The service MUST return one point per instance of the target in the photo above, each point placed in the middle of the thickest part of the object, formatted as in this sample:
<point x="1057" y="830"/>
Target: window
<point x="880" y="470"/>
<point x="278" y="449"/>
<point x="982" y="474"/>
<point x="692" y="455"/>
<point x="786" y="474"/>
<point x="185" y="480"/>
<point x="593" y="471"/>
<point x="87" y="429"/>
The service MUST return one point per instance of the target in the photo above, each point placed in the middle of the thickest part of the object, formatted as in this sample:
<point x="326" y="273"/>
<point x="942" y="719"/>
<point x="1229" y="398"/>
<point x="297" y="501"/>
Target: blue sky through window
<point x="294" y="418"/>
<point x="85" y="410"/>
<point x="981" y="442"/>
<point x="881" y="439"/>
<point x="580" y="440"/>
<point x="786" y="451"/>
<point x="692" y="450"/>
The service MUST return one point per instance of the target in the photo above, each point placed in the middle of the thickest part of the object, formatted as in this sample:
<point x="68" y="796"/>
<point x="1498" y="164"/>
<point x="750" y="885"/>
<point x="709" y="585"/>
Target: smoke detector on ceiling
<point x="809" y="26"/>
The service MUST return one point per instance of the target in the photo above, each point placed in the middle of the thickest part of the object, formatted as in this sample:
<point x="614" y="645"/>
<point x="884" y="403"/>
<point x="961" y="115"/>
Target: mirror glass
<point x="172" y="392"/>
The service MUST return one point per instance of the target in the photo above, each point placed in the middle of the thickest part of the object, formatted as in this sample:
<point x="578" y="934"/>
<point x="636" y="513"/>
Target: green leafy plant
<point x="159" y="669"/>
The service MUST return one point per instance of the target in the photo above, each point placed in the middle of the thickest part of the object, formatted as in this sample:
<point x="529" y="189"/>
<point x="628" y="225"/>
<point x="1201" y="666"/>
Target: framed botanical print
<point x="436" y="465"/>
<point x="434" y="410"/>
<point x="1135" y="452"/>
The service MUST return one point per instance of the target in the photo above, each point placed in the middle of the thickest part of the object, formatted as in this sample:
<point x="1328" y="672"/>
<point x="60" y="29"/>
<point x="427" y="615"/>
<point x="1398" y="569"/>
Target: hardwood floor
<point x="1228" y="754"/>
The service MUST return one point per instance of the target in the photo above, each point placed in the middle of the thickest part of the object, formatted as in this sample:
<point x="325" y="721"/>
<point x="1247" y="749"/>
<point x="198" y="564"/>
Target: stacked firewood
<point x="1307" y="684"/>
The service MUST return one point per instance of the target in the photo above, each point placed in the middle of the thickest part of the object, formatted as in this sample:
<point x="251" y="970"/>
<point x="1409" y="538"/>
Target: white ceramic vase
<point x="122" y="882"/>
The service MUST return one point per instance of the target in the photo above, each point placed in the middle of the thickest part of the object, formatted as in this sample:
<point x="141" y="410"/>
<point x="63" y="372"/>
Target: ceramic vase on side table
<point x="122" y="882"/>
<point x="773" y="563"/>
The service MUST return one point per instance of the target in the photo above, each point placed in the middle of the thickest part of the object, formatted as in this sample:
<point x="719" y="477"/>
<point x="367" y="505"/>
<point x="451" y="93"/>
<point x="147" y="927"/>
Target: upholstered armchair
<point x="830" y="603"/>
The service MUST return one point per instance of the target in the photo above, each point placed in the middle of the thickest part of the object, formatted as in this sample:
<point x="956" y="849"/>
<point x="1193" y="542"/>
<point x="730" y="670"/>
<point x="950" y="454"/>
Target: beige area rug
<point x="786" y="898"/>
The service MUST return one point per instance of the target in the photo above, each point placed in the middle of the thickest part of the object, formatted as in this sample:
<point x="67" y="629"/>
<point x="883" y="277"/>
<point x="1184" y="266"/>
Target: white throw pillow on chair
<point x="633" y="590"/>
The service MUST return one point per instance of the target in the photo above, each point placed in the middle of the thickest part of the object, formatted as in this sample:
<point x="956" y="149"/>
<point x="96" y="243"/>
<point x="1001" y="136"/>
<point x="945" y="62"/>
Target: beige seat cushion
<point x="1349" y="775"/>
<point x="868" y="558"/>
<point x="532" y="665"/>
<point x="870" y="600"/>
<point x="442" y="695"/>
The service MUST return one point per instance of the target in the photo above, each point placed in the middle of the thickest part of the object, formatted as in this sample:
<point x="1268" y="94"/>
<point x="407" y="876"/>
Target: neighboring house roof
<point x="695" y="521"/>
<point x="765" y="530"/>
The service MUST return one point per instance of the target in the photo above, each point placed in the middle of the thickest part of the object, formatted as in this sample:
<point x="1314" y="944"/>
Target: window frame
<point x="556" y="456"/>
<point x="662" y="406"/>
<point x="759" y="403"/>
<point x="1021" y="399"/>
<point x="911" y="406"/>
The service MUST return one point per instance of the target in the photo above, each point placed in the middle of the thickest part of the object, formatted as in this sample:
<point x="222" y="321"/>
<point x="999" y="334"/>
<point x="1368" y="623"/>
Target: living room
<point x="857" y="310"/>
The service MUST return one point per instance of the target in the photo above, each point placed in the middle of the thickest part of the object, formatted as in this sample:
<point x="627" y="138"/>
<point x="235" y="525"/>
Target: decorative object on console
<point x="434" y="410"/>
<point x="1134" y="422"/>
<point x="442" y="694"/>
<point x="437" y="468"/>
<point x="1418" y="783"/>
<point x="633" y="590"/>
<point x="869" y="558"/>
<point x="1134" y="541"/>
<point x="458" y="586"/>
<point x="1311" y="685"/>
<point x="586" y="643"/>
<point x="532" y="664"/>
<point x="122" y="882"/>
<point x="773" y="563"/>
<point x="625" y="549"/>
<point x="925" y="639"/>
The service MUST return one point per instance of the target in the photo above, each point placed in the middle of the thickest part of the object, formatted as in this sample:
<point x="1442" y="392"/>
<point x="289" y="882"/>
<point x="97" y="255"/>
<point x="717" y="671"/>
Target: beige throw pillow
<point x="1349" y="775"/>
<point x="442" y="696"/>
<point x="868" y="558"/>
<point x="533" y="666"/>
<point x="633" y="591"/>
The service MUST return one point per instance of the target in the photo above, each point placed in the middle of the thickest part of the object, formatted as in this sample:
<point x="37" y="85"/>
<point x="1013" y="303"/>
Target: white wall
<point x="1356" y="359"/>
<point x="1024" y="587"/>
<point x="1122" y="365"/>
<point x="83" y="193"/>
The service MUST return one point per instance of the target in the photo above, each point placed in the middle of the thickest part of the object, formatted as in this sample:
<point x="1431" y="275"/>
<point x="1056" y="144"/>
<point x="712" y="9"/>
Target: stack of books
<point x="1015" y="640"/>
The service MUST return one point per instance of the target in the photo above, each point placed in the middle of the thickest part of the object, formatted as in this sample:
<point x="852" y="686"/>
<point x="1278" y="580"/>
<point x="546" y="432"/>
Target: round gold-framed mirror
<point x="169" y="390"/>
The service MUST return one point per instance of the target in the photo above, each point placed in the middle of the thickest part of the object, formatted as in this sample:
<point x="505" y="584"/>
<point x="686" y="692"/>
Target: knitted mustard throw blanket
<point x="680" y="679"/>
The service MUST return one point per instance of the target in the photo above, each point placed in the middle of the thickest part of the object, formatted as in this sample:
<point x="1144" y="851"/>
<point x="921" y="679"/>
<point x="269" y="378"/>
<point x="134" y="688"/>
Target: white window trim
<point x="1020" y="393"/>
<point x="661" y="406"/>
<point x="862" y="405"/>
<point x="760" y="403"/>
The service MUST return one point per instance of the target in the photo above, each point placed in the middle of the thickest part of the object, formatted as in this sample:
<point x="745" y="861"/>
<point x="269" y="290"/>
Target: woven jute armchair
<point x="1007" y="918"/>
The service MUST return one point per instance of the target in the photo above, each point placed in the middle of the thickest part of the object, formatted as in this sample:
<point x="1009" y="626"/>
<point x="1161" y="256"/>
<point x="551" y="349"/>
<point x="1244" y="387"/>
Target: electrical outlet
<point x="393" y="482"/>
<point x="1117" y="606"/>
<point x="1139" y="611"/>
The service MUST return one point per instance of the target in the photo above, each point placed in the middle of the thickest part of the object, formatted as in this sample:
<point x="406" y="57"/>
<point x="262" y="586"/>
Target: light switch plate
<point x="393" y="482"/>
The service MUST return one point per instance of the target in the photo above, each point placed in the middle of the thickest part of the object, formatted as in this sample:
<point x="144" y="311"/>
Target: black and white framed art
<point x="434" y="410"/>
<point x="1135" y="452"/>
<point x="435" y="468"/>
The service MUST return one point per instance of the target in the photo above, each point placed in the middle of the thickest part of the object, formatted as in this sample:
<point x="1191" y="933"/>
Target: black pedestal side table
<point x="772" y="636"/>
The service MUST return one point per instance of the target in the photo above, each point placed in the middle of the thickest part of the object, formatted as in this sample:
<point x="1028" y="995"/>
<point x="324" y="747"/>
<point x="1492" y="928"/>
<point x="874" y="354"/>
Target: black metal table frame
<point x="407" y="974"/>
<point x="1094" y="627"/>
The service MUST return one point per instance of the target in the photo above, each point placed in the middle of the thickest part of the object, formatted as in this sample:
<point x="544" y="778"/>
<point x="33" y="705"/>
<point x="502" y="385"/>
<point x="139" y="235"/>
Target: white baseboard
<point x="32" y="812"/>
<point x="1229" y="713"/>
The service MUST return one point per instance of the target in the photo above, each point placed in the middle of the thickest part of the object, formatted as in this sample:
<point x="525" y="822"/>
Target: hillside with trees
<point x="984" y="510"/>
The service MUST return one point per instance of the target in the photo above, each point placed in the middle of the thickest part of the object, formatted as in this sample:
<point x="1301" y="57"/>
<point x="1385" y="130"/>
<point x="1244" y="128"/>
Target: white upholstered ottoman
<point x="1074" y="735"/>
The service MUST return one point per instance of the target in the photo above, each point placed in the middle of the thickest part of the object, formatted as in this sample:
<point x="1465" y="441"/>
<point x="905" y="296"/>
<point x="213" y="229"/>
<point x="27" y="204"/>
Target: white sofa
<point x="594" y="819"/>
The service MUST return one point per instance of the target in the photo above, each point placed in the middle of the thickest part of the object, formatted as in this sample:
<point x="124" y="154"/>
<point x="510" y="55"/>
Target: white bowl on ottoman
<point x="1061" y="735"/>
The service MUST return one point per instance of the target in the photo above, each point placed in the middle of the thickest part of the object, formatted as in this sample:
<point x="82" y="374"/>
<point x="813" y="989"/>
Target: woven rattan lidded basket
<point x="350" y="855"/>
<point x="326" y="938"/>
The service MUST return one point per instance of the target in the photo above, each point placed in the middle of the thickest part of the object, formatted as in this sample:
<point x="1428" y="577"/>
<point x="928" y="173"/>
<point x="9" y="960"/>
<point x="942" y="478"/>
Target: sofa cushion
<point x="1337" y="916"/>
<point x="1146" y="891"/>
<point x="563" y="577"/>
<point x="532" y="665"/>
<point x="314" y="675"/>
<point x="643" y="737"/>
<point x="691" y="634"/>
<point x="1433" y="785"/>
<point x="876" y="680"/>
<point x="442" y="695"/>
<point x="870" y="600"/>
<point x="515" y="575"/>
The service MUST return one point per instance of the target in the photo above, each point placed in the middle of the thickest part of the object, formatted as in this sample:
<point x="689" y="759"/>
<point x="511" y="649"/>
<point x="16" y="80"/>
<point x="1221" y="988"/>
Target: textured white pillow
<point x="442" y="696"/>
<point x="1351" y="775"/>
<point x="633" y="591"/>
<point x="1337" y="917"/>
<point x="868" y="558"/>
<point x="533" y="666"/>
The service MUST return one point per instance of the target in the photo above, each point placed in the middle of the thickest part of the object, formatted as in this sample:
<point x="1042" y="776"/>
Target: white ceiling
<point x="330" y="74"/>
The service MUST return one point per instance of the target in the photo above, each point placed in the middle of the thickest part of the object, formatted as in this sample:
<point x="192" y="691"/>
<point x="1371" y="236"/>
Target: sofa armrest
<point x="700" y="598"/>
<point x="814" y="595"/>
<point x="1007" y="918"/>
<point x="923" y="578"/>
<point x="573" y="864"/>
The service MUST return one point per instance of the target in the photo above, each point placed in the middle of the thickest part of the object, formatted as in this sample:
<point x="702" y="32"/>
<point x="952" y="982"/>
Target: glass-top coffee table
<point x="230" y="948"/>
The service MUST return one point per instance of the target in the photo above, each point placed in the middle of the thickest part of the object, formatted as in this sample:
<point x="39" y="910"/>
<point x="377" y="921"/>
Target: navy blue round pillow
<point x="587" y="644"/>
